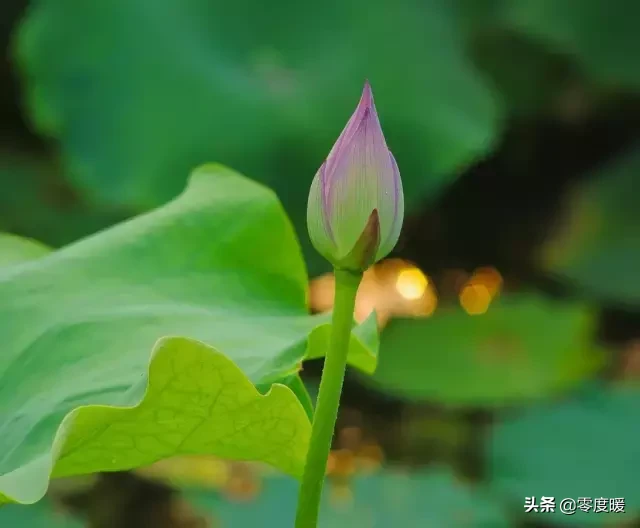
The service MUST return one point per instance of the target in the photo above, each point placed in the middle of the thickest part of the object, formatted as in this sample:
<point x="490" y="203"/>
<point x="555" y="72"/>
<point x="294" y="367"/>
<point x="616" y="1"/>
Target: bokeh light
<point x="411" y="283"/>
<point x="478" y="292"/>
<point x="393" y="288"/>
<point x="490" y="278"/>
<point x="475" y="299"/>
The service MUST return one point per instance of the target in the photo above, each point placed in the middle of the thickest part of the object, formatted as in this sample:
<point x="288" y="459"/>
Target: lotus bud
<point x="356" y="204"/>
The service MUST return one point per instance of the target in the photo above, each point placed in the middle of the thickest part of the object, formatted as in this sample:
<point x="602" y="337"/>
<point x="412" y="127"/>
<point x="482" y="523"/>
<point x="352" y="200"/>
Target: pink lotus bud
<point x="356" y="204"/>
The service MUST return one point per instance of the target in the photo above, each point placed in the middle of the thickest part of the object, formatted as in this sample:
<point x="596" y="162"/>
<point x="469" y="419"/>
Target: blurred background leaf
<point x="188" y="82"/>
<point x="413" y="500"/>
<point x="603" y="37"/>
<point x="524" y="347"/>
<point x="37" y="201"/>
<point x="583" y="446"/>
<point x="44" y="514"/>
<point x="598" y="245"/>
<point x="436" y="497"/>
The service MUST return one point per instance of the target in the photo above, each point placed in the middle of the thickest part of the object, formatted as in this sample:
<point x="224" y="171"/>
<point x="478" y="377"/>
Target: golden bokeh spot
<point x="423" y="307"/>
<point x="393" y="288"/>
<point x="364" y="306"/>
<point x="475" y="298"/>
<point x="242" y="488"/>
<point x="488" y="277"/>
<point x="411" y="284"/>
<point x="370" y="458"/>
<point x="341" y="463"/>
<point x="321" y="293"/>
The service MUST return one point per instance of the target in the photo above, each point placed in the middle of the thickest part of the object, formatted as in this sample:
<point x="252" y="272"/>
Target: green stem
<point x="326" y="412"/>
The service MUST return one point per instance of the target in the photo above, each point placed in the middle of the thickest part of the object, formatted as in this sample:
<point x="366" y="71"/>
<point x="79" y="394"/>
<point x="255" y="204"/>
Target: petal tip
<point x="367" y="95"/>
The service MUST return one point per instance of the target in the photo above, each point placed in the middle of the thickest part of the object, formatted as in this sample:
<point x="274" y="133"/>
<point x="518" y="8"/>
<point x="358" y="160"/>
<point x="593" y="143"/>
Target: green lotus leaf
<point x="78" y="392"/>
<point x="15" y="250"/>
<point x="496" y="358"/>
